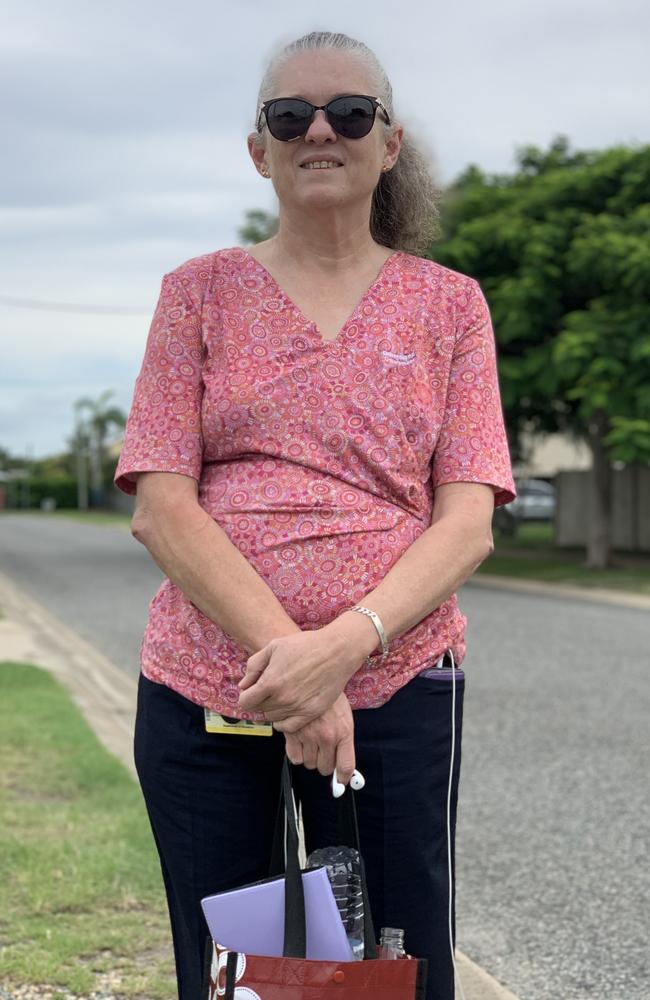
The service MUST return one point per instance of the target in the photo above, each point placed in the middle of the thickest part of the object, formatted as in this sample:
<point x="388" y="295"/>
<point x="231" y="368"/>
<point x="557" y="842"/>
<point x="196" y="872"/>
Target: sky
<point x="124" y="130"/>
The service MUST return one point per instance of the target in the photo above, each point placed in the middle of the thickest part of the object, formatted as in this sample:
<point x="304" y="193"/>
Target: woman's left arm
<point x="433" y="567"/>
<point x="471" y="475"/>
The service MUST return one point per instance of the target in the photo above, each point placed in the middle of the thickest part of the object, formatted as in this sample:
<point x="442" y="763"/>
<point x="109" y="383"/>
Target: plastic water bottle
<point x="344" y="872"/>
<point x="391" y="944"/>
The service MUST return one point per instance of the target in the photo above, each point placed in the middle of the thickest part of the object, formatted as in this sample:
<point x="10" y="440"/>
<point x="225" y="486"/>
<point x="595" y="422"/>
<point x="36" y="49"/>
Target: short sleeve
<point x="163" y="431"/>
<point x="472" y="445"/>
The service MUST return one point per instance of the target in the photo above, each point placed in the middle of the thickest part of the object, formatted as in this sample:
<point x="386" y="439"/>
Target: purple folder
<point x="251" y="918"/>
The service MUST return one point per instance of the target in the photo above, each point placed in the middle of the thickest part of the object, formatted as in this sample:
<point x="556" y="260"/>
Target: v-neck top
<point x="310" y="323"/>
<point x="318" y="458"/>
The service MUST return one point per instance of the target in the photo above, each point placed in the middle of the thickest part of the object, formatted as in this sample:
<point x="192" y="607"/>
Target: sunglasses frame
<point x="377" y="102"/>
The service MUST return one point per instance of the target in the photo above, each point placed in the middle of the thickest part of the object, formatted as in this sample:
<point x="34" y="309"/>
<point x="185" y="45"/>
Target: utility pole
<point x="82" y="469"/>
<point x="29" y="463"/>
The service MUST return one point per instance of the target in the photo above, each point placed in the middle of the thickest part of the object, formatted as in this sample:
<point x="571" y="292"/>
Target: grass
<point x="106" y="517"/>
<point x="83" y="899"/>
<point x="531" y="555"/>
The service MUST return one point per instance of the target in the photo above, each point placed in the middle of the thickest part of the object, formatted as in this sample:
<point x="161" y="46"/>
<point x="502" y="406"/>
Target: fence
<point x="630" y="516"/>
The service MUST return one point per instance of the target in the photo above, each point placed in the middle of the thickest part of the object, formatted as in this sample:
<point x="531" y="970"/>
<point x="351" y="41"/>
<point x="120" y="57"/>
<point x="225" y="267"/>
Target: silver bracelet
<point x="380" y="631"/>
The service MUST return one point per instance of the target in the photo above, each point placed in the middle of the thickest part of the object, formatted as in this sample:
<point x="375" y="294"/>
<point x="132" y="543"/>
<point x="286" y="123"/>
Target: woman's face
<point x="318" y="76"/>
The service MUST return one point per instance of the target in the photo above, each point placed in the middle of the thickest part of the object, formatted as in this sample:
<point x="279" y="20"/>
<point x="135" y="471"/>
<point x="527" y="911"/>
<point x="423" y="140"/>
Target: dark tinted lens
<point x="288" y="117"/>
<point x="352" y="117"/>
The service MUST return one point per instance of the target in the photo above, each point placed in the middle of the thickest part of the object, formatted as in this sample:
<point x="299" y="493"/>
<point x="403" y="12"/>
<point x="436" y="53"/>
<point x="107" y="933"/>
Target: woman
<point x="316" y="425"/>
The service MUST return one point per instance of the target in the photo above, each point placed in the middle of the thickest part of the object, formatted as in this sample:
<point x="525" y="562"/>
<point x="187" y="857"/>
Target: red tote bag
<point x="234" y="975"/>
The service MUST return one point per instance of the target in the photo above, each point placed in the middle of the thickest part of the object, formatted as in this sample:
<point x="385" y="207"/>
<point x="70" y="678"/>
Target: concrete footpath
<point x="106" y="695"/>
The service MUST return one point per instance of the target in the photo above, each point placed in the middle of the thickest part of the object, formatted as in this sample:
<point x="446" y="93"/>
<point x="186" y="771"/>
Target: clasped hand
<point x="326" y="743"/>
<point x="296" y="678"/>
<point x="297" y="681"/>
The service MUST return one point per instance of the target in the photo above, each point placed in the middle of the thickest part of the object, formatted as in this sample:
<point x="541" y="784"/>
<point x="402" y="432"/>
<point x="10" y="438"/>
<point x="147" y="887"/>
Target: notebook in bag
<point x="251" y="918"/>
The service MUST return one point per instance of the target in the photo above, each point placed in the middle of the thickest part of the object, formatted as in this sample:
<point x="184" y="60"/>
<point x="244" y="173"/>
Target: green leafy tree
<point x="562" y="250"/>
<point x="259" y="226"/>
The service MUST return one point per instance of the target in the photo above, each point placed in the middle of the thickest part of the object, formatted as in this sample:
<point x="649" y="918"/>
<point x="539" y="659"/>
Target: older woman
<point x="317" y="444"/>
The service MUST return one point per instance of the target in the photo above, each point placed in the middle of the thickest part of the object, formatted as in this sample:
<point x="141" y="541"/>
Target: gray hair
<point x="405" y="211"/>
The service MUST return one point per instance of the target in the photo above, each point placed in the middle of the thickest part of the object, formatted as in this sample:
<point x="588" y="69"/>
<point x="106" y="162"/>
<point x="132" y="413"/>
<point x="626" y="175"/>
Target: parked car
<point x="535" y="500"/>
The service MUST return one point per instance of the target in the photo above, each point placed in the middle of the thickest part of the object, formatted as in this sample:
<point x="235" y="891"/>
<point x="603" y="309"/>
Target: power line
<point x="69" y="307"/>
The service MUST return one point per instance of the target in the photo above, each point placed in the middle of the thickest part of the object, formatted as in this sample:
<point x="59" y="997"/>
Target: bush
<point x="62" y="488"/>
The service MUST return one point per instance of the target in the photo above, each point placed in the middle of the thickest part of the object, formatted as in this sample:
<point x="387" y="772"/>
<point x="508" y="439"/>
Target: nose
<point x="320" y="128"/>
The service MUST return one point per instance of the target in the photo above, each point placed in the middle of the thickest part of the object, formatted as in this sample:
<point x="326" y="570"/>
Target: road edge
<point x="104" y="693"/>
<point x="595" y="595"/>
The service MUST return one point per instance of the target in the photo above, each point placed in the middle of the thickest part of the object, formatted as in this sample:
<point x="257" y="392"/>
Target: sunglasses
<point x="352" y="116"/>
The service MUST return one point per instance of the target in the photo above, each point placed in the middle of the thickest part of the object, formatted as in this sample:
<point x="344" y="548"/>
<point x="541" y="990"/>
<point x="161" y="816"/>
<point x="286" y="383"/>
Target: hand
<point x="297" y="677"/>
<point x="326" y="742"/>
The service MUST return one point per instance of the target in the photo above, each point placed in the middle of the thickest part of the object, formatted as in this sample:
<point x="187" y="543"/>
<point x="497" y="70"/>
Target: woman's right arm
<point x="162" y="460"/>
<point x="196" y="554"/>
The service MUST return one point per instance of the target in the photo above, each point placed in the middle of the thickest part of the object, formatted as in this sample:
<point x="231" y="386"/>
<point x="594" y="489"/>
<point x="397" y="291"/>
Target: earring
<point x="264" y="172"/>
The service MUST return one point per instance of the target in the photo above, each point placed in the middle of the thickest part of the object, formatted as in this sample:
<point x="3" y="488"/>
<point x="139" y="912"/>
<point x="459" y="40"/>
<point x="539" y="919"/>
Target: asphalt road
<point x="553" y="860"/>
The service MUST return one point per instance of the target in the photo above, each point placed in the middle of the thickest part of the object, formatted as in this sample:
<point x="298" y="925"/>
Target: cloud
<point x="124" y="135"/>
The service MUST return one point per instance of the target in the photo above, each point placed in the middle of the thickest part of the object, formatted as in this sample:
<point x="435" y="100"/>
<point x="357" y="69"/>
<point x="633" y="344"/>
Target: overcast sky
<point x="124" y="131"/>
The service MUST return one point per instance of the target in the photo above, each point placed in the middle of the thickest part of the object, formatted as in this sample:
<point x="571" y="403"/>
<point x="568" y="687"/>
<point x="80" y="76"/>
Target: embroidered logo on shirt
<point x="399" y="359"/>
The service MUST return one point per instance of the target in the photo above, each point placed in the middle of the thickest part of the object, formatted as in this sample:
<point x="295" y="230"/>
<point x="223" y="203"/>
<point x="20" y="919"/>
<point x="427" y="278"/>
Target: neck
<point x="324" y="242"/>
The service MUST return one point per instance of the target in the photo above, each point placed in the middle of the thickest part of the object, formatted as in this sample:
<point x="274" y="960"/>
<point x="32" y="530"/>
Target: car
<point x="535" y="500"/>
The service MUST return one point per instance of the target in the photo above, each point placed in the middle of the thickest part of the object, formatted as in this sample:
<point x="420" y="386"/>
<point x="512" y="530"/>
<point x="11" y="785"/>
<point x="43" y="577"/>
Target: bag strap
<point x="231" y="975"/>
<point x="295" y="926"/>
<point x="207" y="967"/>
<point x="349" y="835"/>
<point x="295" y="935"/>
<point x="277" y="866"/>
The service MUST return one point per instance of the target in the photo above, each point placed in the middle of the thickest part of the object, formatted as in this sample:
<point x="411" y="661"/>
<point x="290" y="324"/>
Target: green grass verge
<point x="86" y="516"/>
<point x="531" y="555"/>
<point x="83" y="899"/>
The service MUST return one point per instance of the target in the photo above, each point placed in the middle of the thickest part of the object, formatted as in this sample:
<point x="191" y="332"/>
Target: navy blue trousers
<point x="212" y="801"/>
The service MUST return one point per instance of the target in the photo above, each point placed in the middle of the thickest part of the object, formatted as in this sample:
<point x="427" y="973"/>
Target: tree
<point x="258" y="227"/>
<point x="562" y="251"/>
<point x="94" y="430"/>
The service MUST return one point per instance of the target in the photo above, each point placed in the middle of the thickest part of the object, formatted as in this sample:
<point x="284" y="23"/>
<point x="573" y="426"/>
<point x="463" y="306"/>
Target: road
<point x="553" y="884"/>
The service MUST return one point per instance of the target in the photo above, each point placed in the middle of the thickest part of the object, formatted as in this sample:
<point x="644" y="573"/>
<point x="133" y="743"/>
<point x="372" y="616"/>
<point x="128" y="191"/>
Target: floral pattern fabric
<point x="318" y="458"/>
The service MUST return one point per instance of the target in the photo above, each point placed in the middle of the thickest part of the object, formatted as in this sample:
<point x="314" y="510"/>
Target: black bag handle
<point x="295" y="924"/>
<point x="295" y="934"/>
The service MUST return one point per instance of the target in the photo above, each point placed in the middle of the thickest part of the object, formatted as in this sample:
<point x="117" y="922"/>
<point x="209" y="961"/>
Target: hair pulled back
<point x="405" y="204"/>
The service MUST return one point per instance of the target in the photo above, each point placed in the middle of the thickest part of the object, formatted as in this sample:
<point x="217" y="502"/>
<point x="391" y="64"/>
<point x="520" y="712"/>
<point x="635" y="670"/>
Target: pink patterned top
<point x="318" y="458"/>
